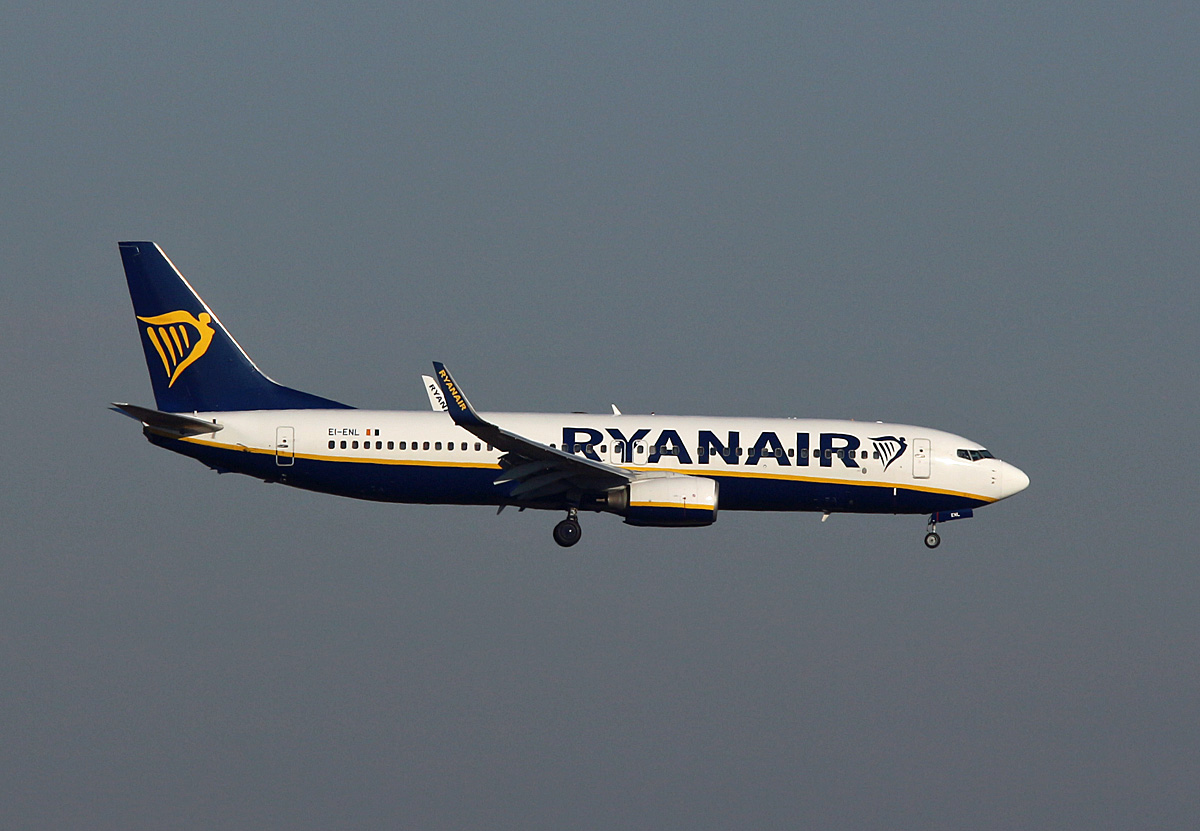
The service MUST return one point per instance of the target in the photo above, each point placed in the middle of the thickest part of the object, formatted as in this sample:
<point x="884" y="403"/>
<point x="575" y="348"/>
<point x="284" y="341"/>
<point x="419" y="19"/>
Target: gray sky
<point x="982" y="220"/>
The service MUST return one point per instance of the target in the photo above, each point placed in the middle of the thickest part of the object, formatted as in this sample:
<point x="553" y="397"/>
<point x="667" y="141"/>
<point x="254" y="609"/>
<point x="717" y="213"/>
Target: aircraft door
<point x="921" y="458"/>
<point x="285" y="446"/>
<point x="617" y="456"/>
<point x="640" y="452"/>
<point x="622" y="451"/>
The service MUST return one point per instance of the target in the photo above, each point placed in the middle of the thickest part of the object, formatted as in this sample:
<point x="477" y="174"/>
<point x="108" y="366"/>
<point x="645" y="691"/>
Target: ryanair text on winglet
<point x="453" y="390"/>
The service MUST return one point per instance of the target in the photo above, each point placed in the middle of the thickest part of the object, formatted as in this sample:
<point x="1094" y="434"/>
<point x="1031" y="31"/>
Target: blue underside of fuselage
<point x="449" y="485"/>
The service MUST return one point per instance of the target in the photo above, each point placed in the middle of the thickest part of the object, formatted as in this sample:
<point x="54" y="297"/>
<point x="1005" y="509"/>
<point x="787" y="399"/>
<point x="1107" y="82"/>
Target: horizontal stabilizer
<point x="167" y="424"/>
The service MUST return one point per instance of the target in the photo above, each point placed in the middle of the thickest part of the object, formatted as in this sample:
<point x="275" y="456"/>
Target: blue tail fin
<point x="195" y="365"/>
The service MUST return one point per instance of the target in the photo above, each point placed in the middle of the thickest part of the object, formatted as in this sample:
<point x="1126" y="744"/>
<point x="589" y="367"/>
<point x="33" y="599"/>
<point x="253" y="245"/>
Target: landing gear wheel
<point x="567" y="533"/>
<point x="932" y="540"/>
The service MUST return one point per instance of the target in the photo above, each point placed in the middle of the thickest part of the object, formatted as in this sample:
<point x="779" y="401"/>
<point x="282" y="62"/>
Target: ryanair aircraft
<point x="214" y="405"/>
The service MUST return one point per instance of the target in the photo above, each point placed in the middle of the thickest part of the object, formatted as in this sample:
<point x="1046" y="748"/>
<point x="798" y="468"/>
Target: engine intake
<point x="672" y="501"/>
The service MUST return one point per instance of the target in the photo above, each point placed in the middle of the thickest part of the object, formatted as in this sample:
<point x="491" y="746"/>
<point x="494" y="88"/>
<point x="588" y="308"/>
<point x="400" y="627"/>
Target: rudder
<point x="195" y="364"/>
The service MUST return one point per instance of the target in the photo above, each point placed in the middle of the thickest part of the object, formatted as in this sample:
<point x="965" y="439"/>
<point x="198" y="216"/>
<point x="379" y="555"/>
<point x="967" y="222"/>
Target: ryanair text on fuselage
<point x="710" y="447"/>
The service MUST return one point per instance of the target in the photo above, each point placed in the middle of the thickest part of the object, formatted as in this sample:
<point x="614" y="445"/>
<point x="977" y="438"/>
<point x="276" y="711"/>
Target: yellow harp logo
<point x="179" y="339"/>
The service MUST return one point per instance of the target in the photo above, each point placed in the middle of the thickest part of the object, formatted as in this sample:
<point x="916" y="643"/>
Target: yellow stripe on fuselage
<point x="692" y="507"/>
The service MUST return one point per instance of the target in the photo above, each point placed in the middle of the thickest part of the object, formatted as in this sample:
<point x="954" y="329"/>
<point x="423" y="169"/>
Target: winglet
<point x="457" y="405"/>
<point x="436" y="400"/>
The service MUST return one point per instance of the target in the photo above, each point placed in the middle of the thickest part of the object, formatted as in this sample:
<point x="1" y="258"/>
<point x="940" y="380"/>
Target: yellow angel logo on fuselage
<point x="179" y="338"/>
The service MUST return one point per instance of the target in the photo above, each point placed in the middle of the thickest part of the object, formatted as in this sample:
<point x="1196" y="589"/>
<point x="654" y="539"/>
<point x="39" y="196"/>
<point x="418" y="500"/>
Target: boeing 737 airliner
<point x="214" y="405"/>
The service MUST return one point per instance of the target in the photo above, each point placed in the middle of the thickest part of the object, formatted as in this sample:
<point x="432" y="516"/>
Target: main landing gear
<point x="568" y="532"/>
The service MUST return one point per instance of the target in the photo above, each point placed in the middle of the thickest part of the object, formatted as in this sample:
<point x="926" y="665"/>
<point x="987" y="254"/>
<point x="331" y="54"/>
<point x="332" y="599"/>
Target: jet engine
<point x="671" y="501"/>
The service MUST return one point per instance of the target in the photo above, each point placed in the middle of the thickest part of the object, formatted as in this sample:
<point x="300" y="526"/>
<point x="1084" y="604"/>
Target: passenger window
<point x="425" y="446"/>
<point x="450" y="445"/>
<point x="354" y="445"/>
<point x="343" y="444"/>
<point x="603" y="448"/>
<point x="437" y="445"/>
<point x="464" y="446"/>
<point x="791" y="451"/>
<point x="379" y="445"/>
<point x="332" y="444"/>
<point x="477" y="446"/>
<point x="403" y="445"/>
<point x="391" y="445"/>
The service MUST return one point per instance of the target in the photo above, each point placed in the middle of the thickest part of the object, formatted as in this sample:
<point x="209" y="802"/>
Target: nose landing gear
<point x="568" y="532"/>
<point x="932" y="539"/>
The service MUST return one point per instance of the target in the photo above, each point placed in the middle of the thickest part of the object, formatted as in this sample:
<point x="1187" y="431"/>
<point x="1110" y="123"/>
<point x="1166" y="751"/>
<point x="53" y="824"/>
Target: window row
<point x="391" y="445"/>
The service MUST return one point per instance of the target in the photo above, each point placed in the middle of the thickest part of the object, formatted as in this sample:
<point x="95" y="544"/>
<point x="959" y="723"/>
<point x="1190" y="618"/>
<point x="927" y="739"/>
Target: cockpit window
<point x="975" y="455"/>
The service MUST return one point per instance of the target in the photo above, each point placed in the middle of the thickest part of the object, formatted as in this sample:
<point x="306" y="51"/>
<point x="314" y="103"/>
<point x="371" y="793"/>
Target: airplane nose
<point x="1012" y="480"/>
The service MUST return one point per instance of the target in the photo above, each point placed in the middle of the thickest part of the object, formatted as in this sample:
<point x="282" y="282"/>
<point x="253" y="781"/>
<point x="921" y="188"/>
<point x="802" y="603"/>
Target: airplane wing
<point x="538" y="470"/>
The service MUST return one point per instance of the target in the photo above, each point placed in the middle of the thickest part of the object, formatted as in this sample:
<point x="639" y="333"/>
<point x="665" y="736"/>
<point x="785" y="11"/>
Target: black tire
<point x="932" y="540"/>
<point x="567" y="533"/>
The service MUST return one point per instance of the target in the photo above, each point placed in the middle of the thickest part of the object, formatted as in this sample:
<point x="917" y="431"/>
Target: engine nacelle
<point x="671" y="501"/>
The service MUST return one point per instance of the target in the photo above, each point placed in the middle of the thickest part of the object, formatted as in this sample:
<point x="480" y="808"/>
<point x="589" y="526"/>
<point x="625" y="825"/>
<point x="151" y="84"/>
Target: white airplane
<point x="214" y="405"/>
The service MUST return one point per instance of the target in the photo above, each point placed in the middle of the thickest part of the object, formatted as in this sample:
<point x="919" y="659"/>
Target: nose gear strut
<point x="932" y="538"/>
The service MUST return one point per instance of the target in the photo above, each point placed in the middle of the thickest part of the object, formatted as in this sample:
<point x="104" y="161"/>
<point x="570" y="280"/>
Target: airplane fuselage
<point x="760" y="464"/>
